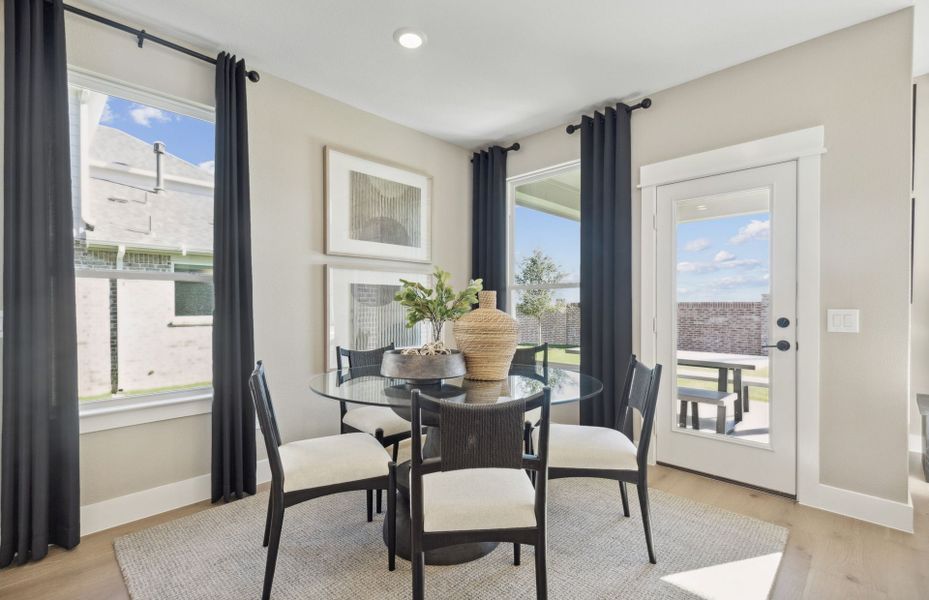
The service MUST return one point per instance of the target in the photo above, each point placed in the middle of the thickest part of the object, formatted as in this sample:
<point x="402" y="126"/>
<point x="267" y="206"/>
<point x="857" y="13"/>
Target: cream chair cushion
<point x="371" y="418"/>
<point x="583" y="447"/>
<point x="476" y="499"/>
<point x="333" y="459"/>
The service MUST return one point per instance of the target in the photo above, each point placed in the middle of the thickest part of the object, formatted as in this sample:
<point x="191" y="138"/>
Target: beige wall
<point x="289" y="126"/>
<point x="919" y="310"/>
<point x="855" y="82"/>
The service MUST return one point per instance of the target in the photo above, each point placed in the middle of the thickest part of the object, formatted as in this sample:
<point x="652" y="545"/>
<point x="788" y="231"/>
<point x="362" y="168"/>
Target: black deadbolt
<point x="783" y="322"/>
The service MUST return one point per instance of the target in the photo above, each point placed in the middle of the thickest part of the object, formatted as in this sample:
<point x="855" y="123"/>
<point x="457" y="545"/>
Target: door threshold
<point x="731" y="481"/>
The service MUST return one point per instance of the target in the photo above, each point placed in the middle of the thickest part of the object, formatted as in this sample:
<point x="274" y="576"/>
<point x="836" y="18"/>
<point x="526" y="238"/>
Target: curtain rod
<point x="142" y="35"/>
<point x="643" y="104"/>
<point x="514" y="147"/>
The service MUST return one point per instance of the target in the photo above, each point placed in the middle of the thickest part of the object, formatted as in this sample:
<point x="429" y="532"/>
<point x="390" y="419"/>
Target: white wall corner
<point x="916" y="443"/>
<point x="147" y="503"/>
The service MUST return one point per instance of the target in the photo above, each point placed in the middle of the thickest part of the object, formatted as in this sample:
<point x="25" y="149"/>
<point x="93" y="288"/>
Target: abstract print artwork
<point x="384" y="211"/>
<point x="362" y="312"/>
<point x="376" y="210"/>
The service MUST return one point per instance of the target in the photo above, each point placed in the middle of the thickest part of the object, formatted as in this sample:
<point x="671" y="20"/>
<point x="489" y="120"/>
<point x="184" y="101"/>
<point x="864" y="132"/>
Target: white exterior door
<point x="725" y="326"/>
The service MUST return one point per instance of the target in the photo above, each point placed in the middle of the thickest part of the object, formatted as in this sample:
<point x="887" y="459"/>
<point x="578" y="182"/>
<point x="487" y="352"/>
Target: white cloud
<point x="107" y="116"/>
<point x="758" y="230"/>
<point x="697" y="245"/>
<point x="718" y="264"/>
<point x="723" y="256"/>
<point x="144" y="115"/>
<point x="208" y="165"/>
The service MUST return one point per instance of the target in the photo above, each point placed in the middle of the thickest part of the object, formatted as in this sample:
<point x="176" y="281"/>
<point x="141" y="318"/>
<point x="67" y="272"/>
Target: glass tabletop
<point x="367" y="386"/>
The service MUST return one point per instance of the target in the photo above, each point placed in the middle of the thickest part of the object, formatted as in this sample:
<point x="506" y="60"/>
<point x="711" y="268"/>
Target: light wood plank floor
<point x="828" y="556"/>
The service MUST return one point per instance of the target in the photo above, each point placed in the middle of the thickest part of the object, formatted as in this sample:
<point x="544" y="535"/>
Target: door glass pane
<point x="722" y="315"/>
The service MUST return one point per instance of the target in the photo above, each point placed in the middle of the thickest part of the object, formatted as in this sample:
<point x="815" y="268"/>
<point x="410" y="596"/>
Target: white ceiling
<point x="496" y="70"/>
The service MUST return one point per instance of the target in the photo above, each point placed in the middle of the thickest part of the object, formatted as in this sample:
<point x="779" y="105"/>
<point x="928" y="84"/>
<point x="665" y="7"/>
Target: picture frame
<point x="361" y="313"/>
<point x="375" y="209"/>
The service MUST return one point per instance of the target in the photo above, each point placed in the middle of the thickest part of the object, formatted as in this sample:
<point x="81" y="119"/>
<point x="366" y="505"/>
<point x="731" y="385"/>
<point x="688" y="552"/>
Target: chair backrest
<point x="529" y="356"/>
<point x="476" y="436"/>
<point x="361" y="358"/>
<point x="261" y="396"/>
<point x="640" y="393"/>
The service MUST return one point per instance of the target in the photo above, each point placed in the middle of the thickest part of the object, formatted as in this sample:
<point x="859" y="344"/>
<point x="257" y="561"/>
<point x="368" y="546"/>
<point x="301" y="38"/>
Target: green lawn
<point x="558" y="354"/>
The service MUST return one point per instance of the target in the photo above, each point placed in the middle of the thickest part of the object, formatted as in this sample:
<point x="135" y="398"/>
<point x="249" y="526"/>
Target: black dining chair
<point x="529" y="357"/>
<point x="477" y="490"/>
<point x="609" y="453"/>
<point x="387" y="427"/>
<point x="308" y="469"/>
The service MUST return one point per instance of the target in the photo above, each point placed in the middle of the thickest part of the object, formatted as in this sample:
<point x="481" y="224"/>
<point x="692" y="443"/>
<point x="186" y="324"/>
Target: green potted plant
<point x="436" y="305"/>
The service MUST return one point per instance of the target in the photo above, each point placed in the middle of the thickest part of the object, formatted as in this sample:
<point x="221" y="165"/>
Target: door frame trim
<point x="805" y="147"/>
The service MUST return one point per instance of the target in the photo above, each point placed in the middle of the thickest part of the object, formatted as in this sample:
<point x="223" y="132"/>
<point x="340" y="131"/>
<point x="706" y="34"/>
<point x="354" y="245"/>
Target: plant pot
<point x="487" y="337"/>
<point x="423" y="370"/>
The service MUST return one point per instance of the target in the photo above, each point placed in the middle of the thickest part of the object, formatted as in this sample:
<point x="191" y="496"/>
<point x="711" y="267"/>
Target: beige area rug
<point x="328" y="550"/>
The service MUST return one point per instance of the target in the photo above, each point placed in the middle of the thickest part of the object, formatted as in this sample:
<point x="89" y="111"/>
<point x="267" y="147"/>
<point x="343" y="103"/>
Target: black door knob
<point x="782" y="345"/>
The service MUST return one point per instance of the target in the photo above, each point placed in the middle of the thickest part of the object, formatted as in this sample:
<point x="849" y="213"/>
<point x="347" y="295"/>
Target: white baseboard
<point x="881" y="511"/>
<point x="146" y="503"/>
<point x="916" y="443"/>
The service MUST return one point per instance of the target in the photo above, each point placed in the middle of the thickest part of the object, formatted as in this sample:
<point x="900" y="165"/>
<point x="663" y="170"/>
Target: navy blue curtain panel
<point x="488" y="240"/>
<point x="233" y="462"/>
<point x="39" y="476"/>
<point x="606" y="258"/>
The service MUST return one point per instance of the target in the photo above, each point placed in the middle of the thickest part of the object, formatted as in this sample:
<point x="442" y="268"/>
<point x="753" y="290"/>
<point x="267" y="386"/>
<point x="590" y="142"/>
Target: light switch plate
<point x="842" y="320"/>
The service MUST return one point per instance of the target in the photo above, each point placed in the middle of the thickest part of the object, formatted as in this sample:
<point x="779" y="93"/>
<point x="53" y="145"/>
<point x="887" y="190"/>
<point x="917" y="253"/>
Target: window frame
<point x="115" y="413"/>
<point x="512" y="288"/>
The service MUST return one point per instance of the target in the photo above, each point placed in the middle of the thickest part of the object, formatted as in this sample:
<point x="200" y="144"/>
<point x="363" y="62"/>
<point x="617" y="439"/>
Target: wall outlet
<point x="842" y="320"/>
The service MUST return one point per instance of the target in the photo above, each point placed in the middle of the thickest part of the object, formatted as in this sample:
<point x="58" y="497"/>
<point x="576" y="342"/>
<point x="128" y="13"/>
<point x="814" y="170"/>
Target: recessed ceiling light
<point x="701" y="207"/>
<point x="409" y="38"/>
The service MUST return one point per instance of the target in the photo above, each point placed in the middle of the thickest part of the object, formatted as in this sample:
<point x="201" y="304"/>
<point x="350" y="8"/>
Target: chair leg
<point x="396" y="451"/>
<point x="541" y="574"/>
<point x="392" y="519"/>
<point x="516" y="554"/>
<point x="418" y="560"/>
<point x="370" y="498"/>
<point x="625" y="497"/>
<point x="277" y="521"/>
<point x="643" y="503"/>
<point x="379" y="509"/>
<point x="268" y="520"/>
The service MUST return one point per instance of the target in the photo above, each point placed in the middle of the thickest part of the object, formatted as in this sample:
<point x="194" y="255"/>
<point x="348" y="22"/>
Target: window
<point x="142" y="189"/>
<point x="194" y="298"/>
<point x="545" y="261"/>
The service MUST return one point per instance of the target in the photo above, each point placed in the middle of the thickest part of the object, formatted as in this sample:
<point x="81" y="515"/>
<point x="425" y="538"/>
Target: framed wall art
<point x="376" y="210"/>
<point x="361" y="312"/>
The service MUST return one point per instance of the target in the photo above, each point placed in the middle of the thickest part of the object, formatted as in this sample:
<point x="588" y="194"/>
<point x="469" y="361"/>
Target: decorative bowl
<point x="423" y="370"/>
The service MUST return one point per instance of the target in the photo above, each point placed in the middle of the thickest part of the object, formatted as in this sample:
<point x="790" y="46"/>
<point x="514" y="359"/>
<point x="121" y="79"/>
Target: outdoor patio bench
<point x="695" y="397"/>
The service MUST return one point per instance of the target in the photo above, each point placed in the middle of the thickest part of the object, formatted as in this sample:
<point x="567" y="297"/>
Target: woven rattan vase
<point x="487" y="337"/>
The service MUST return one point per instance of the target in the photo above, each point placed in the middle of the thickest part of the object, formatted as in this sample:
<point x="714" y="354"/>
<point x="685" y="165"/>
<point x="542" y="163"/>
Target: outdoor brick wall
<point x="730" y="327"/>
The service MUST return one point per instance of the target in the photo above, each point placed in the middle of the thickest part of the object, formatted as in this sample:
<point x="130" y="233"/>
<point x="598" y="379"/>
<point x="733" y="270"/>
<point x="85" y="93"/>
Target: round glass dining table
<point x="367" y="386"/>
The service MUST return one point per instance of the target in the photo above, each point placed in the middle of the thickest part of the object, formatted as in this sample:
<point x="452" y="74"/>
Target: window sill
<point x="126" y="412"/>
<point x="191" y="322"/>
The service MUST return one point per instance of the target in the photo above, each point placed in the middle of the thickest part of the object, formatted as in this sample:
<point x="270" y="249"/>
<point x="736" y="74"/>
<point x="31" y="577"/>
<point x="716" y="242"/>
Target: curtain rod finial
<point x="253" y="76"/>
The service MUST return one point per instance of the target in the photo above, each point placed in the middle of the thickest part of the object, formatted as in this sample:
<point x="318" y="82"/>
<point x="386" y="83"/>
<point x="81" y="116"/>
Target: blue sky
<point x="185" y="137"/>
<point x="723" y="259"/>
<point x="558" y="237"/>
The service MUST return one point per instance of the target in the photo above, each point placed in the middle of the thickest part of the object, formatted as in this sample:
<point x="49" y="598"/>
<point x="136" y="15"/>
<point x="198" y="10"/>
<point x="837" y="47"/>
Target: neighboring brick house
<point x="138" y="334"/>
